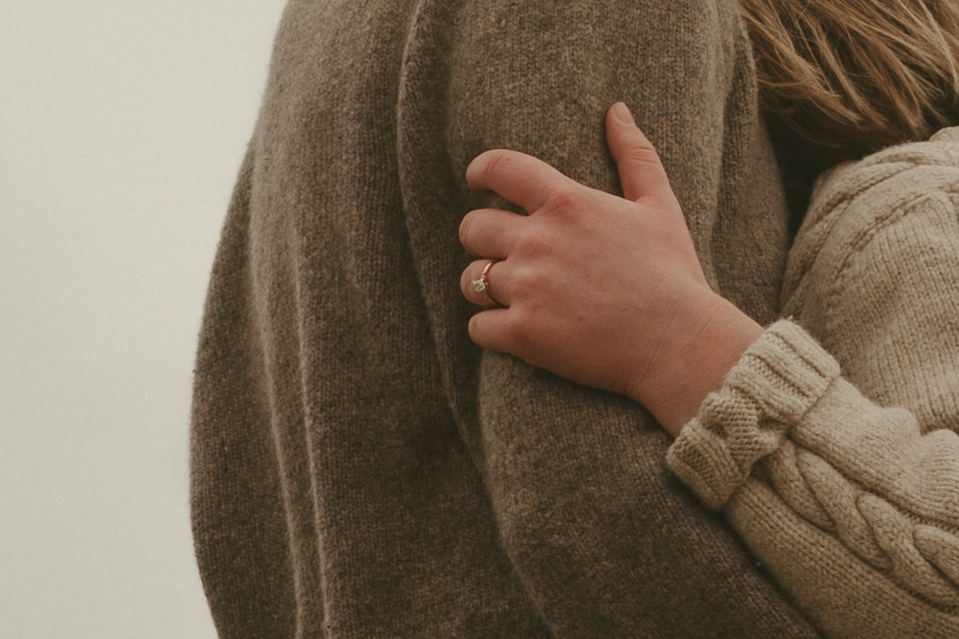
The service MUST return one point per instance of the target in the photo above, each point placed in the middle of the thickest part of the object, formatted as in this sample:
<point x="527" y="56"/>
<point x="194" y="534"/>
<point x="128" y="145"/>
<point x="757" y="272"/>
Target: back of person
<point x="359" y="468"/>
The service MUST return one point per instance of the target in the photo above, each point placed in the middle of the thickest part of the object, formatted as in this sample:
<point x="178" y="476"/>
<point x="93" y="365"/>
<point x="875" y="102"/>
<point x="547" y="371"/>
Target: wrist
<point x="694" y="362"/>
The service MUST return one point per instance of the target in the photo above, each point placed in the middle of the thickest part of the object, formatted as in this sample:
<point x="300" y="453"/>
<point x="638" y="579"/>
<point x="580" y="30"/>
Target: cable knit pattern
<point x="863" y="468"/>
<point x="778" y="379"/>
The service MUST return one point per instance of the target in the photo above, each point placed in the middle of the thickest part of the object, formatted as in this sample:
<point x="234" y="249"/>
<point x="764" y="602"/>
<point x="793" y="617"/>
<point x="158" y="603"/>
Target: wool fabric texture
<point x="359" y="467"/>
<point x="838" y="462"/>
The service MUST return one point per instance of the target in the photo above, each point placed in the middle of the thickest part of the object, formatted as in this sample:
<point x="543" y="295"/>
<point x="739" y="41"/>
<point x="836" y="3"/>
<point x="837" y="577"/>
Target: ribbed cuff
<point x="779" y="377"/>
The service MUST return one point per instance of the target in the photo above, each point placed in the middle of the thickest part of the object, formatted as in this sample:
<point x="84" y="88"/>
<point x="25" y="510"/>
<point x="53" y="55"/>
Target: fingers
<point x="490" y="232"/>
<point x="640" y="170"/>
<point x="489" y="330"/>
<point x="520" y="178"/>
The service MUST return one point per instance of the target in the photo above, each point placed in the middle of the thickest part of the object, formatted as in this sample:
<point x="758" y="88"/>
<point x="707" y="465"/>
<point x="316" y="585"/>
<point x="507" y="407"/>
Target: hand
<point x="602" y="290"/>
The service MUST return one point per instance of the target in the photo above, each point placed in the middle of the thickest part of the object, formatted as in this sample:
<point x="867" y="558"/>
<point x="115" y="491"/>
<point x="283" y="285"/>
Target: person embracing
<point x="830" y="438"/>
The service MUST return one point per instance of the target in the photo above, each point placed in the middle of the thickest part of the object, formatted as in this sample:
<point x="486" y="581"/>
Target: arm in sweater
<point x="600" y="534"/>
<point x="842" y="473"/>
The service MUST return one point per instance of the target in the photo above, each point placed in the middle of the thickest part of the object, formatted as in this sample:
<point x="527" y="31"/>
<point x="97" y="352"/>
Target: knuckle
<point x="524" y="283"/>
<point x="533" y="242"/>
<point x="465" y="226"/>
<point x="563" y="198"/>
<point x="466" y="280"/>
<point x="474" y="329"/>
<point x="645" y="156"/>
<point x="497" y="162"/>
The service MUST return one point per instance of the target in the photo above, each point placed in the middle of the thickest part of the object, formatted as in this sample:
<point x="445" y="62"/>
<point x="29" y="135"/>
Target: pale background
<point x="122" y="127"/>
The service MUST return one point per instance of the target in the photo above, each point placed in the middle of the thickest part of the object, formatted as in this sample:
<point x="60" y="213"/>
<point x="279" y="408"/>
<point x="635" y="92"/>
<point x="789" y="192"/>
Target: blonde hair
<point x="852" y="76"/>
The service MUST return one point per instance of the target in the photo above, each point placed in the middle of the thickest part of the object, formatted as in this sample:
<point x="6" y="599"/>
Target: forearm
<point x="578" y="489"/>
<point x="845" y="483"/>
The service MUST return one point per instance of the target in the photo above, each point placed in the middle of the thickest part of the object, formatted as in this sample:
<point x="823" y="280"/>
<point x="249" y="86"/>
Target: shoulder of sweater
<point x="853" y="200"/>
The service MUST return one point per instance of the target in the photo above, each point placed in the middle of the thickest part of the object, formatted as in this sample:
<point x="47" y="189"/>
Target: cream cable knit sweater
<point x="839" y="464"/>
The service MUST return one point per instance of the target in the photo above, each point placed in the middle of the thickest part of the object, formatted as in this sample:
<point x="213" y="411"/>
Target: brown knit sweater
<point x="847" y="487"/>
<point x="359" y="467"/>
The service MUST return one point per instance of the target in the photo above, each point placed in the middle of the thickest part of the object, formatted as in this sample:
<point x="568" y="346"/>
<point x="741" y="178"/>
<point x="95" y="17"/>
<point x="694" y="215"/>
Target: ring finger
<point x="482" y="283"/>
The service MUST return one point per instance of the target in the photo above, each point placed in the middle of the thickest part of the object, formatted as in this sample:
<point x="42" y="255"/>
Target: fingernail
<point x="623" y="114"/>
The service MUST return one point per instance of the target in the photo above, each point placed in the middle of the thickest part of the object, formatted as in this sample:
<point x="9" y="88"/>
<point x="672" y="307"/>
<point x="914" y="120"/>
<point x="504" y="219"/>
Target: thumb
<point x="640" y="171"/>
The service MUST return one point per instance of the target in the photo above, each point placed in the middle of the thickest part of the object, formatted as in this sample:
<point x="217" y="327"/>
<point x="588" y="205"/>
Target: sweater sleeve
<point x="603" y="540"/>
<point x="839" y="466"/>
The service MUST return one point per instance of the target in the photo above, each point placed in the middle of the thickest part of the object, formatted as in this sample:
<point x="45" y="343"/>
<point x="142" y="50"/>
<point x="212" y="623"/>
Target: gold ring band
<point x="482" y="285"/>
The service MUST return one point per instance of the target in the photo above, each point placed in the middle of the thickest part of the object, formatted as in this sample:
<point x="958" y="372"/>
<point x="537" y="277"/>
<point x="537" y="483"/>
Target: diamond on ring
<point x="482" y="285"/>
